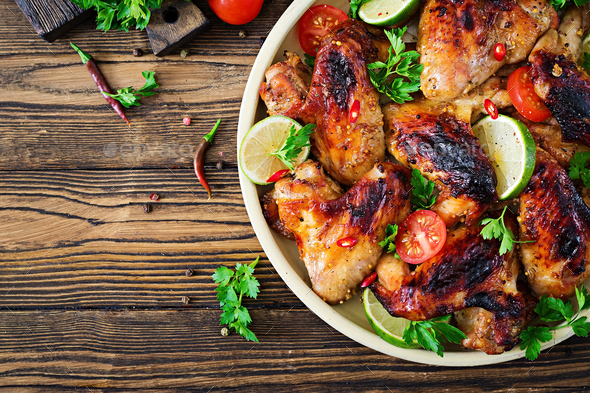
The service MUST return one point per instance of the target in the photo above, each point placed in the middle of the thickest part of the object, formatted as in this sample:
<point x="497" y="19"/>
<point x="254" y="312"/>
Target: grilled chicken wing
<point x="318" y="215"/>
<point x="436" y="138"/>
<point x="562" y="86"/>
<point x="556" y="219"/>
<point x="467" y="272"/>
<point x="347" y="149"/>
<point x="456" y="40"/>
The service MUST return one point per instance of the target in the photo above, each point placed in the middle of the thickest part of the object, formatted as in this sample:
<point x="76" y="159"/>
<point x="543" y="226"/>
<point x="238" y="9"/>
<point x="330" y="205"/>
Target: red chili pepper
<point x="499" y="51"/>
<point x="369" y="280"/>
<point x="102" y="84"/>
<point x="277" y="175"/>
<point x="154" y="197"/>
<point x="346" y="242"/>
<point x="490" y="108"/>
<point x="199" y="160"/>
<point x="353" y="114"/>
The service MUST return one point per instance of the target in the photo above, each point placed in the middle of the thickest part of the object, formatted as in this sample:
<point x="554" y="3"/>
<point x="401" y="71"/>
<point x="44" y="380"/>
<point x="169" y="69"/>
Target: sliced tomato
<point x="421" y="236"/>
<point x="316" y="23"/>
<point x="522" y="93"/>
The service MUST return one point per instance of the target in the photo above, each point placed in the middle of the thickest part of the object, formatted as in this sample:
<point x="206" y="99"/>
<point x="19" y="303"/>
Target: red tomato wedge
<point x="523" y="96"/>
<point x="316" y="23"/>
<point x="421" y="236"/>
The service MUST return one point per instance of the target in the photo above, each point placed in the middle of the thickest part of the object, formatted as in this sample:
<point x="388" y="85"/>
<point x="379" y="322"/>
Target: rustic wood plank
<point x="106" y="351"/>
<point x="82" y="239"/>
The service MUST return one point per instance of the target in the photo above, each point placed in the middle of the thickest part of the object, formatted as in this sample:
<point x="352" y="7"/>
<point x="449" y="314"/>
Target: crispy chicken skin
<point x="467" y="272"/>
<point x="347" y="150"/>
<point x="556" y="219"/>
<point x="318" y="215"/>
<point x="436" y="138"/>
<point x="563" y="87"/>
<point x="456" y="40"/>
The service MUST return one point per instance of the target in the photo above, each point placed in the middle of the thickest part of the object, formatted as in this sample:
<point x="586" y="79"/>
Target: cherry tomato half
<point x="421" y="236"/>
<point x="236" y="12"/>
<point x="522" y="93"/>
<point x="316" y="23"/>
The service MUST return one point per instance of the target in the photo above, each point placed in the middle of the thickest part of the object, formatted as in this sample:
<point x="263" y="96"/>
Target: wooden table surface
<point x="91" y="286"/>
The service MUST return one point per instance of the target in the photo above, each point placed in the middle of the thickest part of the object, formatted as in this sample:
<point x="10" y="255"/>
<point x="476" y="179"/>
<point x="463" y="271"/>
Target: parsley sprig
<point x="432" y="333"/>
<point x="232" y="287"/>
<point x="552" y="310"/>
<point x="309" y="60"/>
<point x="355" y="5"/>
<point x="130" y="97"/>
<point x="495" y="228"/>
<point x="389" y="242"/>
<point x="578" y="169"/>
<point x="294" y="144"/>
<point x="557" y="4"/>
<point x="120" y="14"/>
<point x="422" y="191"/>
<point x="401" y="63"/>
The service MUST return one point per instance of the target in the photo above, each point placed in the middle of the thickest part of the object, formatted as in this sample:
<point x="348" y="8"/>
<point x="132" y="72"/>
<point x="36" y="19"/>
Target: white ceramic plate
<point x="348" y="318"/>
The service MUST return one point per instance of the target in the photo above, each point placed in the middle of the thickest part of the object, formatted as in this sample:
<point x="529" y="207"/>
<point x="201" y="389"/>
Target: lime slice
<point x="387" y="12"/>
<point x="511" y="150"/>
<point x="387" y="327"/>
<point x="585" y="49"/>
<point x="265" y="137"/>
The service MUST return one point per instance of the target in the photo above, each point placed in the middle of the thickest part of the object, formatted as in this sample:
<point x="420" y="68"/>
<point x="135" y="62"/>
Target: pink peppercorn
<point x="186" y="121"/>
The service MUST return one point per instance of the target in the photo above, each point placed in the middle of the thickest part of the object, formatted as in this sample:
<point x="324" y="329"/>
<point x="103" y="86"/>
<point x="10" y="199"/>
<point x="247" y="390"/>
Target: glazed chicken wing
<point x="555" y="218"/>
<point x="318" y="215"/>
<point x="467" y="272"/>
<point x="563" y="87"/>
<point x="436" y="138"/>
<point x="347" y="147"/>
<point x="456" y="40"/>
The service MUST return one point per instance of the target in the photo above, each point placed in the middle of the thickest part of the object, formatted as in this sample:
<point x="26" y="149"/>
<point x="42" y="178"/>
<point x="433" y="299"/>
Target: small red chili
<point x="369" y="280"/>
<point x="277" y="176"/>
<point x="154" y="197"/>
<point x="490" y="108"/>
<point x="199" y="160"/>
<point x="499" y="51"/>
<point x="355" y="109"/>
<point x="346" y="242"/>
<point x="187" y="121"/>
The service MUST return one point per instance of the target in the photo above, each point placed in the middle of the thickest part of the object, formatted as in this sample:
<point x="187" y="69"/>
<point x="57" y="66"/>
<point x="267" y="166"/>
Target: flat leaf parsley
<point x="232" y="287"/>
<point x="432" y="333"/>
<point x="389" y="242"/>
<point x="294" y="144"/>
<point x="552" y="310"/>
<point x="401" y="63"/>
<point x="130" y="97"/>
<point x="422" y="191"/>
<point x="496" y="229"/>
<point x="578" y="169"/>
<point x="355" y="5"/>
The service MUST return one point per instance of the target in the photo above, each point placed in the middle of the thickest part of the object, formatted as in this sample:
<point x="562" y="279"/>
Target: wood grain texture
<point x="82" y="239"/>
<point x="52" y="18"/>
<point x="109" y="350"/>
<point x="174" y="25"/>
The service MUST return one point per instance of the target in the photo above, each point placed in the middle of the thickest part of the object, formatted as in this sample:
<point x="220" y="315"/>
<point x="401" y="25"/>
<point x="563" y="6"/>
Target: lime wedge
<point x="387" y="327"/>
<point x="265" y="137"/>
<point x="585" y="49"/>
<point x="387" y="12"/>
<point x="511" y="150"/>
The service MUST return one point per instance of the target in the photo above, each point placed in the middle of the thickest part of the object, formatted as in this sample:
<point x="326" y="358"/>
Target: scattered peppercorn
<point x="147" y="208"/>
<point x="261" y="40"/>
<point x="220" y="165"/>
<point x="184" y="53"/>
<point x="187" y="121"/>
<point x="189" y="272"/>
<point x="154" y="197"/>
<point x="242" y="34"/>
<point x="224" y="332"/>
<point x="137" y="52"/>
<point x="569" y="352"/>
<point x="185" y="300"/>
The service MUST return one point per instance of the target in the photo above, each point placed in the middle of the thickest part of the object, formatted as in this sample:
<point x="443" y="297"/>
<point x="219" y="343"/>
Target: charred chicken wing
<point x="312" y="208"/>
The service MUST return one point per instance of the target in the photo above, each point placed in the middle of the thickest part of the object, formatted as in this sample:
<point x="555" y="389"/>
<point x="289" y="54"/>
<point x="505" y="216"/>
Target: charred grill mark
<point x="339" y="78"/>
<point x="467" y="19"/>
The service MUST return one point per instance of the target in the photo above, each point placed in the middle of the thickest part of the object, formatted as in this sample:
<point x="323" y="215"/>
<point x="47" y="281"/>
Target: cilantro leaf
<point x="130" y="97"/>
<point x="399" y="62"/>
<point x="233" y="285"/>
<point x="294" y="144"/>
<point x="422" y="191"/>
<point x="532" y="338"/>
<point x="432" y="333"/>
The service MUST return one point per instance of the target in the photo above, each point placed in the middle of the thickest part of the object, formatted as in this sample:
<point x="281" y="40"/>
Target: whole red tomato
<point x="236" y="12"/>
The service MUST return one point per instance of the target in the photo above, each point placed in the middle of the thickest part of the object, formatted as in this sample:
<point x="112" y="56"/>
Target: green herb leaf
<point x="495" y="228"/>
<point x="233" y="285"/>
<point x="532" y="339"/>
<point x="586" y="62"/>
<point x="353" y="12"/>
<point x="401" y="63"/>
<point x="389" y="242"/>
<point x="432" y="333"/>
<point x="578" y="169"/>
<point x="129" y="97"/>
<point x="309" y="60"/>
<point x="294" y="144"/>
<point x="422" y="191"/>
